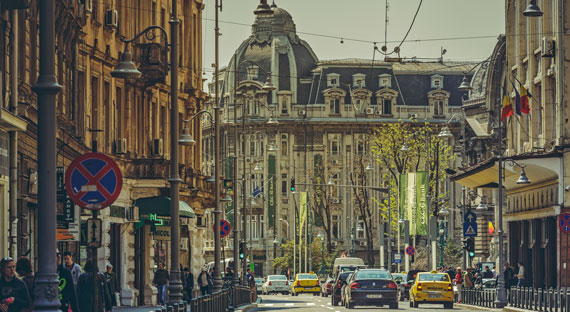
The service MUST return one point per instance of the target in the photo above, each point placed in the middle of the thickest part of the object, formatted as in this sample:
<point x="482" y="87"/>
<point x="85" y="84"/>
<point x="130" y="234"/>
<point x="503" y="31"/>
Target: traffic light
<point x="292" y="184"/>
<point x="228" y="183"/>
<point x="241" y="252"/>
<point x="470" y="246"/>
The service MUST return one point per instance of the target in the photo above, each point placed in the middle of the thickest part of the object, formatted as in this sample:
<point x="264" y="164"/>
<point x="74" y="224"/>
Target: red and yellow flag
<point x="491" y="228"/>
<point x="525" y="105"/>
<point x="507" y="110"/>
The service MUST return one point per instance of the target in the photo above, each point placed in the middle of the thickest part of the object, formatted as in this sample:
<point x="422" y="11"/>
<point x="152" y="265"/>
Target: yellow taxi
<point x="432" y="287"/>
<point x="305" y="283"/>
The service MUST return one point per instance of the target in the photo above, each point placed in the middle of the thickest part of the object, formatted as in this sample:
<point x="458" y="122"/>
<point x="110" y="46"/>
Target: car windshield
<point x="400" y="277"/>
<point x="372" y="274"/>
<point x="344" y="276"/>
<point x="433" y="277"/>
<point x="306" y="276"/>
<point x="278" y="277"/>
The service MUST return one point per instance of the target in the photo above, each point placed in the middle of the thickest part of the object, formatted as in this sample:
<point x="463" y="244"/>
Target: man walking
<point x="189" y="278"/>
<point x="520" y="275"/>
<point x="113" y="282"/>
<point x="203" y="282"/>
<point x="73" y="268"/>
<point x="160" y="280"/>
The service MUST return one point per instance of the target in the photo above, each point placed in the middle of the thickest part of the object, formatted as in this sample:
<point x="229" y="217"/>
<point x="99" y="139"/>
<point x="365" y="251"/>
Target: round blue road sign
<point x="565" y="222"/>
<point x="224" y="228"/>
<point x="93" y="181"/>
<point x="410" y="251"/>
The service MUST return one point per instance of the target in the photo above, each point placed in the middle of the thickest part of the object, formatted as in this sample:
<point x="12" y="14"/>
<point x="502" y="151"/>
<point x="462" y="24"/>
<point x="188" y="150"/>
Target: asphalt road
<point x="310" y="303"/>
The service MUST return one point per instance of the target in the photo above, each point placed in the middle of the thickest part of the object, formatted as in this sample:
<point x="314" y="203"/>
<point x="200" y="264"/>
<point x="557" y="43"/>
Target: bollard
<point x="540" y="294"/>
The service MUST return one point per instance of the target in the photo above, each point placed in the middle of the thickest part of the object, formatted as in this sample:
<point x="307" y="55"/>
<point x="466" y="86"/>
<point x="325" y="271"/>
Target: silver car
<point x="275" y="284"/>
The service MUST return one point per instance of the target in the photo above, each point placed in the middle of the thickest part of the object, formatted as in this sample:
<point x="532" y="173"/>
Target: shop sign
<point x="162" y="233"/>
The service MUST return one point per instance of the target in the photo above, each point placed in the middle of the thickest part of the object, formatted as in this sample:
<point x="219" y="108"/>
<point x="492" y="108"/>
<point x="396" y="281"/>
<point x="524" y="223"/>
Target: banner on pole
<point x="303" y="214"/>
<point x="413" y="201"/>
<point x="271" y="186"/>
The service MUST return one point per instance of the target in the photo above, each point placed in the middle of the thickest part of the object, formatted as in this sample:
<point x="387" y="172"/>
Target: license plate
<point x="434" y="295"/>
<point x="309" y="287"/>
<point x="373" y="296"/>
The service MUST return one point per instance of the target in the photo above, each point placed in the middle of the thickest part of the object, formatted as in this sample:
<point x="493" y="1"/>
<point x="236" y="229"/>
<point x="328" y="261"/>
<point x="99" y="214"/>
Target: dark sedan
<point x="371" y="287"/>
<point x="336" y="291"/>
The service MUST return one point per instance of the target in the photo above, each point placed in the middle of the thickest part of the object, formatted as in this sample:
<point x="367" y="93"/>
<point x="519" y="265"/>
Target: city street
<point x="310" y="303"/>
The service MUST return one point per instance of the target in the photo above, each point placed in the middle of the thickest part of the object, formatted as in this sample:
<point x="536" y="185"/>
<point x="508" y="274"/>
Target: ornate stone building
<point x="127" y="120"/>
<point x="325" y="110"/>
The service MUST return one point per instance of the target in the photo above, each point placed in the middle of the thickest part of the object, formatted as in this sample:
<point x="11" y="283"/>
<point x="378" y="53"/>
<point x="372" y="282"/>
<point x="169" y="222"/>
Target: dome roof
<point x="275" y="48"/>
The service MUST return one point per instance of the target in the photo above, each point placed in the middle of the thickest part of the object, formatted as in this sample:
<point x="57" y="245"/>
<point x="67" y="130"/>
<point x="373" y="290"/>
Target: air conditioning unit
<point x="369" y="111"/>
<point x="112" y="18"/>
<point x="88" y="6"/>
<point x="302" y="112"/>
<point x="121" y="146"/>
<point x="132" y="214"/>
<point x="156" y="149"/>
<point x="363" y="243"/>
<point x="547" y="47"/>
<point x="378" y="112"/>
<point x="335" y="161"/>
<point x="413" y="116"/>
<point x="336" y="200"/>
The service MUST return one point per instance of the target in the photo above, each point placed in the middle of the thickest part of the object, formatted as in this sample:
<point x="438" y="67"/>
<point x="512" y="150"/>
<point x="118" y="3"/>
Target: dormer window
<point x="252" y="72"/>
<point x="437" y="82"/>
<point x="358" y="80"/>
<point x="385" y="81"/>
<point x="333" y="80"/>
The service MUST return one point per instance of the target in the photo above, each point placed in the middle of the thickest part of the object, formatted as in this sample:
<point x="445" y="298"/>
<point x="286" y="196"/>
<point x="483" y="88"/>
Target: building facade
<point x="319" y="118"/>
<point x="127" y="120"/>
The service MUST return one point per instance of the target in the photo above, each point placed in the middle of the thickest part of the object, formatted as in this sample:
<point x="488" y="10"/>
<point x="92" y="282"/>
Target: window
<point x="360" y="230"/>
<point x="334" y="148"/>
<point x="436" y="81"/>
<point x="387" y="106"/>
<point x="334" y="106"/>
<point x="358" y="80"/>
<point x="284" y="109"/>
<point x="438" y="108"/>
<point x="333" y="80"/>
<point x="360" y="148"/>
<point x="284" y="185"/>
<point x="336" y="233"/>
<point x="385" y="81"/>
<point x="253" y="227"/>
<point x="252" y="148"/>
<point x="261" y="226"/>
<point x="252" y="72"/>
<point x="284" y="147"/>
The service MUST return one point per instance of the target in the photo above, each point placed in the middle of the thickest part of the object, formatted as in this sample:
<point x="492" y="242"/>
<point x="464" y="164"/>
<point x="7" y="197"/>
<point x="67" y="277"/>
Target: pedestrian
<point x="211" y="281"/>
<point x="520" y="275"/>
<point x="189" y="281"/>
<point x="73" y="268"/>
<point x="25" y="272"/>
<point x="203" y="282"/>
<point x="161" y="280"/>
<point x="114" y="285"/>
<point x="251" y="284"/>
<point x="459" y="283"/>
<point x="229" y="273"/>
<point x="487" y="273"/>
<point x="468" y="279"/>
<point x="67" y="293"/>
<point x="14" y="296"/>
<point x="87" y="293"/>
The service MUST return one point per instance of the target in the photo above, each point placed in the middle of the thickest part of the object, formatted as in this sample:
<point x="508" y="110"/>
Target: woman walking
<point x="14" y="295"/>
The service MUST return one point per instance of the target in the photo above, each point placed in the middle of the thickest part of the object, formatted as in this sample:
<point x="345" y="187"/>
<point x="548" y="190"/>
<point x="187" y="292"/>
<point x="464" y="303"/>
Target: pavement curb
<point x="513" y="309"/>
<point x="246" y="307"/>
<point x="477" y="308"/>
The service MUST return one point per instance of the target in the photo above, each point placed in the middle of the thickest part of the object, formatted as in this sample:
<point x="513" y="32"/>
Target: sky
<point x="466" y="29"/>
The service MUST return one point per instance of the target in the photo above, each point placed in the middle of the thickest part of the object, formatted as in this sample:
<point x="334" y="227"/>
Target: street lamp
<point x="442" y="236"/>
<point x="294" y="243"/>
<point x="275" y="243"/>
<point x="532" y="10"/>
<point x="322" y="238"/>
<point x="126" y="69"/>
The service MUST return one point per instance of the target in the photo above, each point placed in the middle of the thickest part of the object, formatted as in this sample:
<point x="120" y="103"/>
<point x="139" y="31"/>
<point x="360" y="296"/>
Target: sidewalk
<point x="248" y="307"/>
<point x="137" y="309"/>
<point x="477" y="308"/>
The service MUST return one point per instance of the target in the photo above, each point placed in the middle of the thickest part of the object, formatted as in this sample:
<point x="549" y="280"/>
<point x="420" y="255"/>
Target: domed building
<point x="288" y="115"/>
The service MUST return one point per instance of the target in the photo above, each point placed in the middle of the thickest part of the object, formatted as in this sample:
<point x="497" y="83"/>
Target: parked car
<point x="275" y="284"/>
<point x="258" y="283"/>
<point x="401" y="280"/>
<point x="432" y="287"/>
<point x="336" y="291"/>
<point x="326" y="287"/>
<point x="370" y="287"/>
<point x="306" y="283"/>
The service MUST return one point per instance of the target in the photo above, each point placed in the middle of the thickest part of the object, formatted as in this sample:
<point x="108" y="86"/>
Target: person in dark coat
<point x="189" y="283"/>
<point x="86" y="292"/>
<point x="113" y="282"/>
<point x="203" y="279"/>
<point x="25" y="272"/>
<point x="67" y="294"/>
<point x="14" y="295"/>
<point x="161" y="280"/>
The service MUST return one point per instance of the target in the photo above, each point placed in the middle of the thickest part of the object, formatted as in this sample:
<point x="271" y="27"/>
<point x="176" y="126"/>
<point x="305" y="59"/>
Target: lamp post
<point x="47" y="87"/>
<point x="442" y="233"/>
<point x="294" y="243"/>
<point x="127" y="69"/>
<point x="322" y="238"/>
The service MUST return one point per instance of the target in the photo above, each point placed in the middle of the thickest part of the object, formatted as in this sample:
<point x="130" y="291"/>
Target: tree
<point x="426" y="152"/>
<point x="320" y="203"/>
<point x="286" y="260"/>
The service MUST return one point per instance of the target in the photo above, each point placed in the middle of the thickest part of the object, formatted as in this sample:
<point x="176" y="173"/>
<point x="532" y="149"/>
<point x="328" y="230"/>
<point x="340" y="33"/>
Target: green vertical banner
<point x="271" y="186"/>
<point x="411" y="202"/>
<point x="302" y="215"/>
<point x="421" y="203"/>
<point x="403" y="188"/>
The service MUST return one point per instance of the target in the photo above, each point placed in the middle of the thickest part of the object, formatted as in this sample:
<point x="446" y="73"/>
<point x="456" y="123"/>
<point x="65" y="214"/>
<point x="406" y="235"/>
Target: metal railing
<point x="227" y="299"/>
<point x="482" y="297"/>
<point x="540" y="299"/>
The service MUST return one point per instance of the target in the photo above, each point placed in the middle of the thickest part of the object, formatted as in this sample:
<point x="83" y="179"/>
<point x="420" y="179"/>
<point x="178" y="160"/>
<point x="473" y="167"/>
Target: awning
<point x="160" y="205"/>
<point x="538" y="168"/>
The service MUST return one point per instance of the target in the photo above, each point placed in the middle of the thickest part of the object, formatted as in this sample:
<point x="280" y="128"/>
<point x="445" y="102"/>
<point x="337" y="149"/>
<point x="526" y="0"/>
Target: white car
<point x="275" y="284"/>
